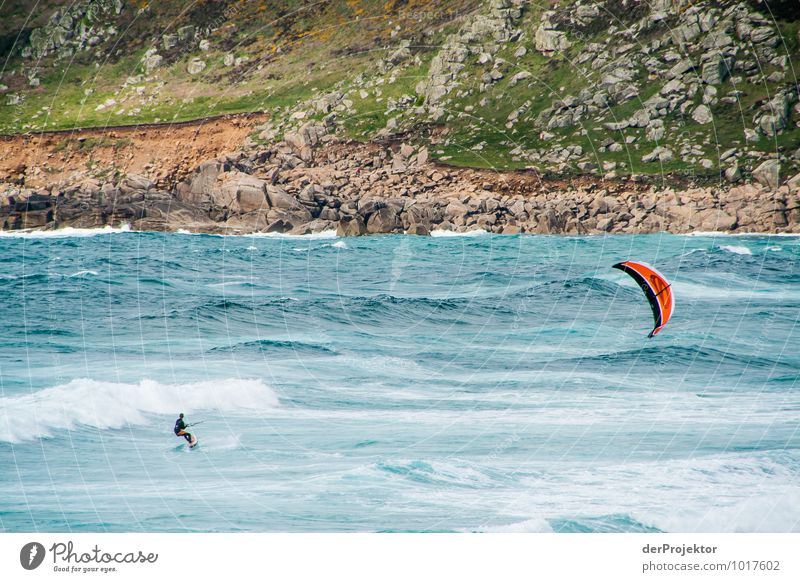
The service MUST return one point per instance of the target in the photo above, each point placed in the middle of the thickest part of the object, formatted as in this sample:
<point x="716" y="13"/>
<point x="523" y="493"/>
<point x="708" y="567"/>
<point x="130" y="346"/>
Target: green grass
<point x="326" y="46"/>
<point x="556" y="77"/>
<point x="369" y="113"/>
<point x="310" y="37"/>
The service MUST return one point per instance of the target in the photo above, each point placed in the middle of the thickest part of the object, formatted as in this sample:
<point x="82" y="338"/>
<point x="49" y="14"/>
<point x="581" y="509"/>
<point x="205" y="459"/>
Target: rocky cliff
<point x="313" y="181"/>
<point x="605" y="116"/>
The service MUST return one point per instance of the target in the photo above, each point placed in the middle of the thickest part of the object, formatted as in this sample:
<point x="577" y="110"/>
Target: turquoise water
<point x="397" y="383"/>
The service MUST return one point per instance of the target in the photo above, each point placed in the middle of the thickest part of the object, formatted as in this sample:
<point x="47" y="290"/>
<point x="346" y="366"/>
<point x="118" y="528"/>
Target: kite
<point x="656" y="288"/>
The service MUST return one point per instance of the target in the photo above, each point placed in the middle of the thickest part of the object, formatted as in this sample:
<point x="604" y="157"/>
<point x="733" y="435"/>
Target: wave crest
<point x="104" y="405"/>
<point x="67" y="232"/>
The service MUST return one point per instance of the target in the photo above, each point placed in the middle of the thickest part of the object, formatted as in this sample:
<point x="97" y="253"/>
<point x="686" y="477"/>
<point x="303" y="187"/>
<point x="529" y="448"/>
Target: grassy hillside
<point x="505" y="84"/>
<point x="282" y="52"/>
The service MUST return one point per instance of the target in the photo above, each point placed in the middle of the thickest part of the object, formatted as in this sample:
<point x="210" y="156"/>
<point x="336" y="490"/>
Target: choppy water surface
<point x="397" y="383"/>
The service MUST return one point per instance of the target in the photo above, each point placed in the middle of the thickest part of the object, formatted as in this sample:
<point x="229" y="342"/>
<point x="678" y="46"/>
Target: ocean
<point x="397" y="383"/>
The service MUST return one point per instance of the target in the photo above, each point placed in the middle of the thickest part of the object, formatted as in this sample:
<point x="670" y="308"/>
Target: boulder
<point x="241" y="192"/>
<point x="455" y="209"/>
<point x="764" y="35"/>
<point x="768" y="174"/>
<point x="304" y="139"/>
<point x="655" y="130"/>
<point x="152" y="61"/>
<point x="548" y="41"/>
<point x="718" y="220"/>
<point x="330" y="214"/>
<point x="384" y="220"/>
<point x="640" y="118"/>
<point x="517" y="209"/>
<point x="366" y="206"/>
<point x="399" y="165"/>
<point x="685" y="33"/>
<point x="587" y="13"/>
<point x="617" y="125"/>
<point x="660" y="154"/>
<point x="196" y="66"/>
<point x="280" y="225"/>
<point x="422" y="156"/>
<point x="770" y="125"/>
<point x="673" y="86"/>
<point x="717" y="39"/>
<point x="295" y="217"/>
<point x="702" y="114"/>
<point x="351" y="226"/>
<point x="733" y="174"/>
<point x="170" y="41"/>
<point x="202" y="184"/>
<point x="420" y="214"/>
<point x="406" y="151"/>
<point x="605" y="224"/>
<point x="681" y="67"/>
<point x="717" y="70"/>
<point x="419" y="230"/>
<point x="135" y="182"/>
<point x="186" y="33"/>
<point x="521" y="76"/>
<point x="279" y="198"/>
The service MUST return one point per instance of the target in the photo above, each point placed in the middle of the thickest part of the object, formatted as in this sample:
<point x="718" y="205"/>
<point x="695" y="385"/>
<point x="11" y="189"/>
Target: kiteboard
<point x="193" y="442"/>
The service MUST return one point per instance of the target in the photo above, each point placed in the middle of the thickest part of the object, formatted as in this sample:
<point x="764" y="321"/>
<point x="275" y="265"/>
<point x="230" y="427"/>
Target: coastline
<point x="71" y="232"/>
<point x="312" y="181"/>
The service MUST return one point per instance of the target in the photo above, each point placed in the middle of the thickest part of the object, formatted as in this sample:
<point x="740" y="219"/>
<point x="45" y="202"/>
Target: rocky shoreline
<point x="312" y="181"/>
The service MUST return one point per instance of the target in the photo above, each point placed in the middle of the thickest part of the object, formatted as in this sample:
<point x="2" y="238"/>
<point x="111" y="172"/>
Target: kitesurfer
<point x="180" y="429"/>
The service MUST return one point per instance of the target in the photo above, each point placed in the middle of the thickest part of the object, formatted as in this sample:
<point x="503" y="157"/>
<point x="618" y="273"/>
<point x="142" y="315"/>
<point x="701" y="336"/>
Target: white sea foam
<point x="534" y="525"/>
<point x="223" y="442"/>
<point x="728" y="492"/>
<point x="731" y="493"/>
<point x="228" y="283"/>
<point x="739" y="250"/>
<point x="67" y="232"/>
<point x="773" y="509"/>
<point x="229" y="279"/>
<point x="450" y="233"/>
<point x="70" y="232"/>
<point x="325" y="234"/>
<point x="91" y="403"/>
<point x="84" y="273"/>
<point x="747" y="290"/>
<point x="339" y="244"/>
<point x="714" y="234"/>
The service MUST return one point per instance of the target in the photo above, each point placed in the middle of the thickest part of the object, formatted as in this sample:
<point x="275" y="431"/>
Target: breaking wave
<point x="107" y="405"/>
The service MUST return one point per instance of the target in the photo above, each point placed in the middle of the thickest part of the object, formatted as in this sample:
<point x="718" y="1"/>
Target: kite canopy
<point x="655" y="287"/>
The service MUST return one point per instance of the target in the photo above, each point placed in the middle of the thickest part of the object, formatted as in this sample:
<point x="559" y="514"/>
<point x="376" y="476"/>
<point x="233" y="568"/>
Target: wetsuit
<point x="179" y="430"/>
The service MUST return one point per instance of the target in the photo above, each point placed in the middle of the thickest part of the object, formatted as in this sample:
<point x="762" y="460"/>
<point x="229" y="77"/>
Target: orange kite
<point x="655" y="287"/>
